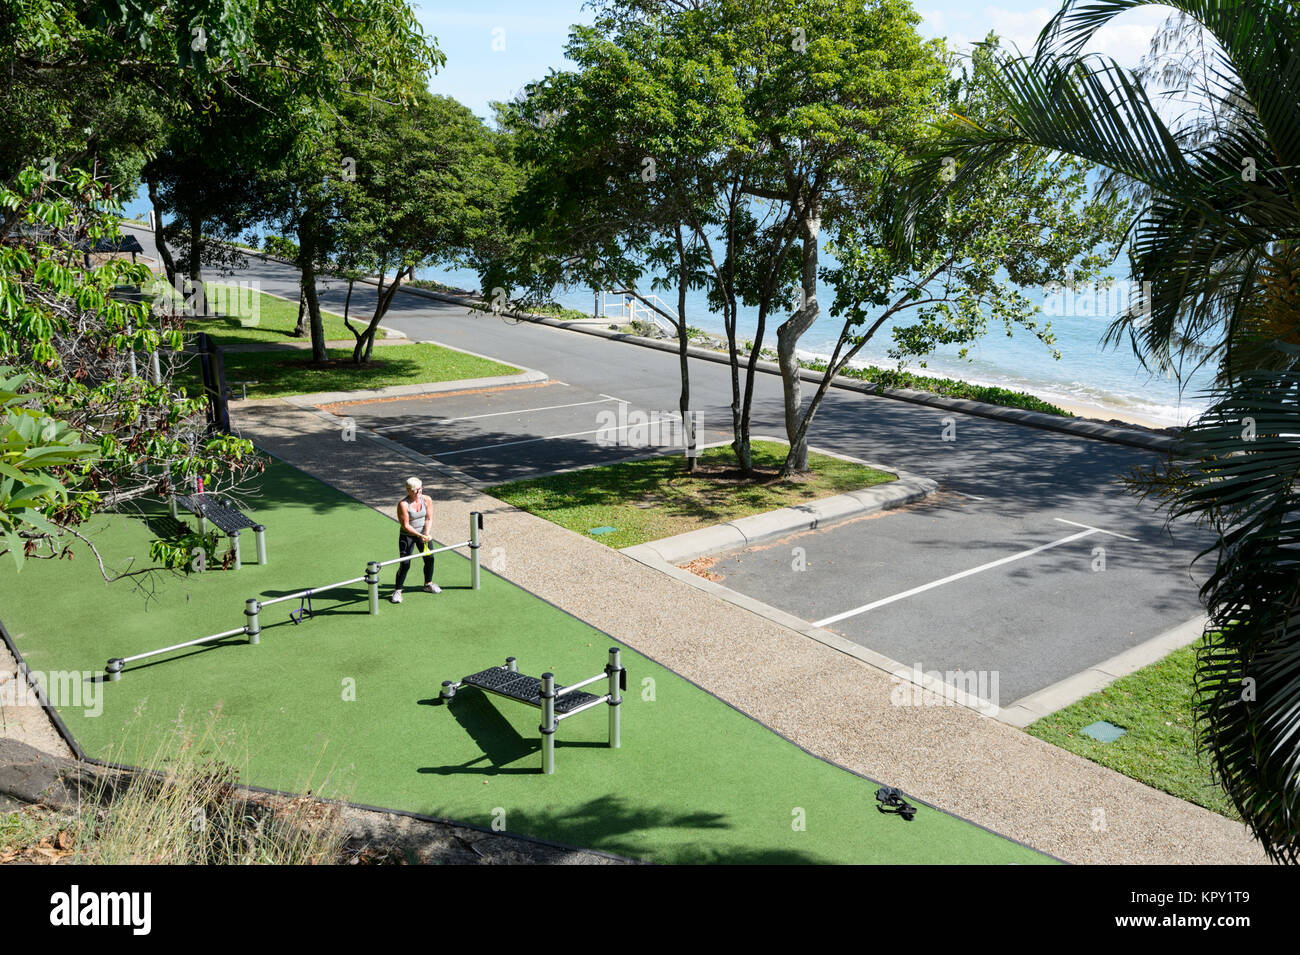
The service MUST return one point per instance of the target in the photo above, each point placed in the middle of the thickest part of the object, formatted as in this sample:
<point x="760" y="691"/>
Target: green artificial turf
<point x="343" y="704"/>
<point x="1156" y="707"/>
<point x="654" y="498"/>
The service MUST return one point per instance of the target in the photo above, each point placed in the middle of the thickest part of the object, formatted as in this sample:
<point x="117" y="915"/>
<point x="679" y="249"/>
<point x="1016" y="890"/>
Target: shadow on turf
<point x="496" y="737"/>
<point x="611" y="824"/>
<point x="599" y="823"/>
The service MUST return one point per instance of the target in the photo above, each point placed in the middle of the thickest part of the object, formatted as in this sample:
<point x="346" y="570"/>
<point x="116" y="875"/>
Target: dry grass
<point x="184" y="807"/>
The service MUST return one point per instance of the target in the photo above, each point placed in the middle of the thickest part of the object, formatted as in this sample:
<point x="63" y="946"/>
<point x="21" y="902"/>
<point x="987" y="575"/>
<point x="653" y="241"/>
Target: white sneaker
<point x="396" y="597"/>
<point x="432" y="589"/>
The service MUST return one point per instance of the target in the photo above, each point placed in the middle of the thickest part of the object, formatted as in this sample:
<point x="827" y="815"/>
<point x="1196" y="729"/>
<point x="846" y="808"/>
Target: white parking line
<point x="965" y="573"/>
<point x="1099" y="530"/>
<point x="497" y="414"/>
<point x="549" y="437"/>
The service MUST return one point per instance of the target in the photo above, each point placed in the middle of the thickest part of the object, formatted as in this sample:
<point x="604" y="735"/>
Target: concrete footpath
<point x="828" y="702"/>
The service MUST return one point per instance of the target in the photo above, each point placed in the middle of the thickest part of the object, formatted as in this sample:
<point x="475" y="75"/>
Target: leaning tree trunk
<point x="307" y="265"/>
<point x="300" y="329"/>
<point x="196" y="264"/>
<point x="164" y="253"/>
<point x="787" y="340"/>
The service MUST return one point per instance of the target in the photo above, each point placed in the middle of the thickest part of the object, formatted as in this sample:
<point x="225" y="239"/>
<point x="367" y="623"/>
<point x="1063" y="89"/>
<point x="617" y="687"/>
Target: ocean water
<point x="1101" y="380"/>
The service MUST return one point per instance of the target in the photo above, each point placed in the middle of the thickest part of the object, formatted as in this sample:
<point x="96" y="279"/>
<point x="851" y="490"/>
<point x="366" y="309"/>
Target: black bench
<point x="524" y="689"/>
<point x="555" y="701"/>
<point x="226" y="517"/>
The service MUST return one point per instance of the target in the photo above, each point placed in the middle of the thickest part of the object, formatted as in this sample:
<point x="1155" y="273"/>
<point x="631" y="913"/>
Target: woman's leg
<point x="428" y="570"/>
<point x="405" y="544"/>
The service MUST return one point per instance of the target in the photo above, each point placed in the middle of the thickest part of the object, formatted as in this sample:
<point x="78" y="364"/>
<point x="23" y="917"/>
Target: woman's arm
<point x="428" y="518"/>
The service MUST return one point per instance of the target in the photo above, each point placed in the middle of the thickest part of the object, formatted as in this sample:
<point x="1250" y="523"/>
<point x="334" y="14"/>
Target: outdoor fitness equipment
<point x="225" y="516"/>
<point x="254" y="607"/>
<point x="555" y="701"/>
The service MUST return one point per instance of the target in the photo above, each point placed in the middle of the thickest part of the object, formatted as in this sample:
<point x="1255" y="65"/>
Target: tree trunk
<point x="196" y="265"/>
<point x="307" y="264"/>
<point x="347" y="320"/>
<point x="383" y="302"/>
<point x="300" y="330"/>
<point x="164" y="253"/>
<point x="683" y="341"/>
<point x="787" y="339"/>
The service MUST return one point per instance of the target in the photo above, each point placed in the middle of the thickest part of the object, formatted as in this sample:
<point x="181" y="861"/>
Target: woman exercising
<point x="414" y="512"/>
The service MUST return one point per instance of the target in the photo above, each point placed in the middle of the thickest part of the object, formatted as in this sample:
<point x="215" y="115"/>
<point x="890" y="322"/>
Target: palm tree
<point x="1217" y="236"/>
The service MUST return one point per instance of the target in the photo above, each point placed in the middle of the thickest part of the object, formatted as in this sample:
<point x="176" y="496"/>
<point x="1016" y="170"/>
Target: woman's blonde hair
<point x="414" y="484"/>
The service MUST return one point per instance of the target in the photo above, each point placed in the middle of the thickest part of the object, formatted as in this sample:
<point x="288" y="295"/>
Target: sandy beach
<point x="1097" y="413"/>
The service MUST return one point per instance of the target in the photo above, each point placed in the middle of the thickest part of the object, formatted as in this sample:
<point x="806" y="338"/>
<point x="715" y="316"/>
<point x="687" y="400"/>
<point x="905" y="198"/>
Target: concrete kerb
<point x="526" y="376"/>
<point x="746" y="531"/>
<point x="1059" y="695"/>
<point x="1019" y="714"/>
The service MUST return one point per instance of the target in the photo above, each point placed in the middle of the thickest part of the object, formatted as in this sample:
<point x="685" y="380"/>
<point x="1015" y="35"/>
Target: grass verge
<point x="651" y="499"/>
<point x="1155" y="706"/>
<point x="279" y="374"/>
<point x="265" y="318"/>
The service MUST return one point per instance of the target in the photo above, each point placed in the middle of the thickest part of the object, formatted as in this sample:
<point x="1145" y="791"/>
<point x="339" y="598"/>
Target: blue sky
<point x="495" y="47"/>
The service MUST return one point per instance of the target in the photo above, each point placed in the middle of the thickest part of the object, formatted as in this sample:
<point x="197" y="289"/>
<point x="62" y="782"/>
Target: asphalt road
<point x="1007" y="489"/>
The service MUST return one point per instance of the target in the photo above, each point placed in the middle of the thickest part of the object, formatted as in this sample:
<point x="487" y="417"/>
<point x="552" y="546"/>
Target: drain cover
<point x="602" y="530"/>
<point x="1104" y="732"/>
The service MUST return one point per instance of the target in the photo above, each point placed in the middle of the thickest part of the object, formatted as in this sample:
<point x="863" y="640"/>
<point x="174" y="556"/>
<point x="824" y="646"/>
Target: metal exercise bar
<point x="421" y="553"/>
<point x="372" y="582"/>
<point x="617" y="683"/>
<point x="114" y="668"/>
<point x="585" y="706"/>
<point x="311" y="590"/>
<point x="549" y="723"/>
<point x="475" y="525"/>
<point x="253" y="606"/>
<point x="581" y="683"/>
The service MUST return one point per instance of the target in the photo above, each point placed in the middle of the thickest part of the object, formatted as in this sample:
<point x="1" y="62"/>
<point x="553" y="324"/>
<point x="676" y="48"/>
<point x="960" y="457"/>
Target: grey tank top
<point x="415" y="517"/>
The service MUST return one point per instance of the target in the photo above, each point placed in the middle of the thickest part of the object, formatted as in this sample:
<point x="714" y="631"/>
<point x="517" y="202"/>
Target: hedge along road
<point x="1009" y="485"/>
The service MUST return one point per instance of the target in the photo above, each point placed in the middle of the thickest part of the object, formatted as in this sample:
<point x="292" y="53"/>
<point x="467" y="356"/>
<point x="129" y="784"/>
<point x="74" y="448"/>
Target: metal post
<point x="615" y="669"/>
<point x="448" y="691"/>
<point x="372" y="581"/>
<point x="548" y="726"/>
<point x="253" y="628"/>
<point x="475" y="525"/>
<point x="175" y="514"/>
<point x="114" y="669"/>
<point x="511" y="665"/>
<point x="203" y="524"/>
<point x="259" y="531"/>
<point x="130" y="355"/>
<point x="234" y="541"/>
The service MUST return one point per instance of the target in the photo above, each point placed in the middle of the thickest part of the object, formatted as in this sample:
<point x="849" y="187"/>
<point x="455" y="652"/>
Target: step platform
<point x="524" y="689"/>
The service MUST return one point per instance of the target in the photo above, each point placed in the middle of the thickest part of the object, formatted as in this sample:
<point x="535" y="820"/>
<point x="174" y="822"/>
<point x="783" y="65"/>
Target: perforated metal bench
<point x="557" y="702"/>
<point x="225" y="517"/>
